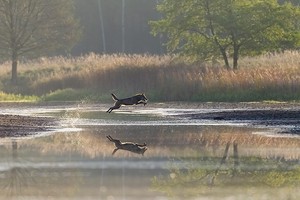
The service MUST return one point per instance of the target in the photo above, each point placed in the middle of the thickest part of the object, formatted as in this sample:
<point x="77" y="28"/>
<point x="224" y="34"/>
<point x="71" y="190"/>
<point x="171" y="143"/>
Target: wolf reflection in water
<point x="128" y="146"/>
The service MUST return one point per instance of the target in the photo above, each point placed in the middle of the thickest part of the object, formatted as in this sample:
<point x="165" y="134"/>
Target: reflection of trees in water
<point x="16" y="178"/>
<point x="230" y="173"/>
<point x="89" y="144"/>
<point x="22" y="178"/>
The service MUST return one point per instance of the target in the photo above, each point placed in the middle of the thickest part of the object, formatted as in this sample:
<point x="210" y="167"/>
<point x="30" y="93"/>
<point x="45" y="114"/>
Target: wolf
<point x="134" y="100"/>
<point x="129" y="146"/>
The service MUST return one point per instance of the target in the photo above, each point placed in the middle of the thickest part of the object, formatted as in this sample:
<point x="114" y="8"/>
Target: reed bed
<point x="163" y="78"/>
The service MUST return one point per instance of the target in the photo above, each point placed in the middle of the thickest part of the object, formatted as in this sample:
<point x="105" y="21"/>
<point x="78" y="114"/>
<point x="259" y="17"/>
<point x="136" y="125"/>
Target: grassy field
<point x="163" y="78"/>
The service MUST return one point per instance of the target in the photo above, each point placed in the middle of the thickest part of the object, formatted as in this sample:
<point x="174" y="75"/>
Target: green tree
<point x="35" y="27"/>
<point x="206" y="29"/>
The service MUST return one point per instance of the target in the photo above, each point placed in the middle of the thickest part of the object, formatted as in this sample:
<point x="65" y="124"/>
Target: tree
<point x="227" y="28"/>
<point x="102" y="26"/>
<point x="35" y="27"/>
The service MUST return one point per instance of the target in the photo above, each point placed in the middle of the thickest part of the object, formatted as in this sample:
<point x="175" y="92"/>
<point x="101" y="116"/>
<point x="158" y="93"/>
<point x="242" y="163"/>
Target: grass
<point x="70" y="94"/>
<point x="270" y="77"/>
<point x="4" y="97"/>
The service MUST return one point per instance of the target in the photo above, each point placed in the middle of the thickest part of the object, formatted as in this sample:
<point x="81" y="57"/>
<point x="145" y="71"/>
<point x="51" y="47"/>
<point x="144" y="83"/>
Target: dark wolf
<point x="137" y="99"/>
<point x="129" y="146"/>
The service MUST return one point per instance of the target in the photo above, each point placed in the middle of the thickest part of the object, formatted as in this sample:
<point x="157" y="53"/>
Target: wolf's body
<point x="137" y="99"/>
<point x="129" y="146"/>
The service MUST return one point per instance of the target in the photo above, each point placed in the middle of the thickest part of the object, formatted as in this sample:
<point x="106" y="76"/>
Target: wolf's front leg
<point x="115" y="150"/>
<point x="113" y="108"/>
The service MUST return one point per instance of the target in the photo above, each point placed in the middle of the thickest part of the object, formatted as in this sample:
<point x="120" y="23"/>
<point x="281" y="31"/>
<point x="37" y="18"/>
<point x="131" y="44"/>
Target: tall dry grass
<point x="164" y="78"/>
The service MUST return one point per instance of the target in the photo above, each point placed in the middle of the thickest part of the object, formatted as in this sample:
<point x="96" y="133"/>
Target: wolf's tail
<point x="114" y="97"/>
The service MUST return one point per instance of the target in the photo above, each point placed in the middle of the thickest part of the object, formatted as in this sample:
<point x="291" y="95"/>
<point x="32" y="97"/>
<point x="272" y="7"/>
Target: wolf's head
<point x="143" y="149"/>
<point x="142" y="98"/>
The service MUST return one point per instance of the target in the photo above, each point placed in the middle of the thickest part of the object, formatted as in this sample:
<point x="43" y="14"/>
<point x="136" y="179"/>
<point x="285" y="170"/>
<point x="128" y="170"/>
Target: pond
<point x="184" y="159"/>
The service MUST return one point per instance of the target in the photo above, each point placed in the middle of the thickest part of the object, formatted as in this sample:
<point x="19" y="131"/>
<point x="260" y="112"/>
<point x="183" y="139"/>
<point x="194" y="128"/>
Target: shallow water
<point x="185" y="159"/>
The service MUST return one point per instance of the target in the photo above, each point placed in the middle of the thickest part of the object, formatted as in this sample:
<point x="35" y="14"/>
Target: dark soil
<point x="263" y="117"/>
<point x="258" y="114"/>
<point x="17" y="126"/>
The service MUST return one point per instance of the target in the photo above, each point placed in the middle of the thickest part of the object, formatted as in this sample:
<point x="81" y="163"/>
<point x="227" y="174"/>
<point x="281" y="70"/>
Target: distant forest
<point x="114" y="26"/>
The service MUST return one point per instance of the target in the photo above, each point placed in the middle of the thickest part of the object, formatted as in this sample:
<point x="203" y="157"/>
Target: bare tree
<point x="35" y="27"/>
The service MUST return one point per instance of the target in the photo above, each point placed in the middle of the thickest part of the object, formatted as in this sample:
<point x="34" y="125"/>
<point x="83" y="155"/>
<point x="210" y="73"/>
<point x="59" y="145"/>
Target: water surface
<point x="186" y="159"/>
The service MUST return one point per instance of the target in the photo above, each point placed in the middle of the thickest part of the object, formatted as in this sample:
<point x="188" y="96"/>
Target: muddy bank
<point x="18" y="126"/>
<point x="288" y="119"/>
<point x="263" y="115"/>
